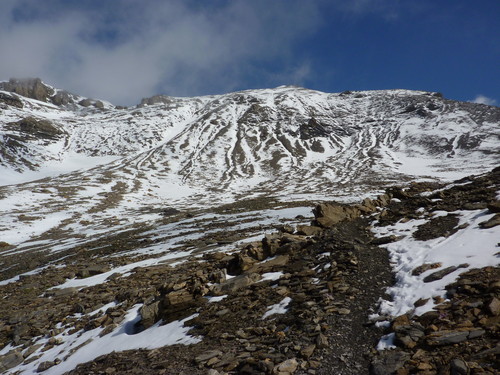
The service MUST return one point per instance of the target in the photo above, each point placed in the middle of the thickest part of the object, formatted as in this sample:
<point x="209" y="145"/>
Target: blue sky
<point x="123" y="50"/>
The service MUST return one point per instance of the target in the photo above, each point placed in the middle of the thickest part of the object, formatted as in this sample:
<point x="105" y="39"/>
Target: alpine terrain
<point x="275" y="231"/>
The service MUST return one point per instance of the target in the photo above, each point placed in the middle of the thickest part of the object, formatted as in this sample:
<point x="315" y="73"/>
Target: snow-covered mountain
<point x="98" y="200"/>
<point x="305" y="140"/>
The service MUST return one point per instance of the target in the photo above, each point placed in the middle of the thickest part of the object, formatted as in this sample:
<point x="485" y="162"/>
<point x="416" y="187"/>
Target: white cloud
<point x="481" y="99"/>
<point x="136" y="50"/>
<point x="125" y="49"/>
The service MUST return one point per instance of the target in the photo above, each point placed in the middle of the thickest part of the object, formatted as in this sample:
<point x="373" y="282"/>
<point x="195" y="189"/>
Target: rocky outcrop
<point x="329" y="214"/>
<point x="36" y="127"/>
<point x="32" y="88"/>
<point x="157" y="99"/>
<point x="11" y="100"/>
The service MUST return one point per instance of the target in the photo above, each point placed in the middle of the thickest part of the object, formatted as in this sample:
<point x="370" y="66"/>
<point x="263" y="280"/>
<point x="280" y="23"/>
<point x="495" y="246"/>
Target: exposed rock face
<point x="157" y="99"/>
<point x="34" y="88"/>
<point x="10" y="100"/>
<point x="11" y="359"/>
<point x="328" y="215"/>
<point x="37" y="128"/>
<point x="30" y="88"/>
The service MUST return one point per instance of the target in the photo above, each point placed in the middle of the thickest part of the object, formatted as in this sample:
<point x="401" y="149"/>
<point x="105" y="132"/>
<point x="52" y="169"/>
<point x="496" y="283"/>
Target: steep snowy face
<point x="310" y="141"/>
<point x="288" y="140"/>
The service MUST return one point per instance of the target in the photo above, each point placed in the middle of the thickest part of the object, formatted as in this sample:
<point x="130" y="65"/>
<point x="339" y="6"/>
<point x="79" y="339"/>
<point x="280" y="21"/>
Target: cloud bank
<point x="124" y="50"/>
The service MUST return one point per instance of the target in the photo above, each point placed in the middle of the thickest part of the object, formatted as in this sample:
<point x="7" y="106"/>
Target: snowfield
<point x="471" y="247"/>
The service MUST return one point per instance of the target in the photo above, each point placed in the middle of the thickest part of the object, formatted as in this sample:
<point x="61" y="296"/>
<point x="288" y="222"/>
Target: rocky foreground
<point x="296" y="302"/>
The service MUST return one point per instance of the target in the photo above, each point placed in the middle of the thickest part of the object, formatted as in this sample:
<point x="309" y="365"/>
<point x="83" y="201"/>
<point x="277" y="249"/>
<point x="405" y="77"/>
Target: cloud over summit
<point x="123" y="50"/>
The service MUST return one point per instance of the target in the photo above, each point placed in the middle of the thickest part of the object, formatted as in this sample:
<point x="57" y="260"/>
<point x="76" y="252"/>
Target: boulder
<point x="447" y="337"/>
<point x="494" y="307"/>
<point x="32" y="88"/>
<point x="328" y="214"/>
<point x="308" y="230"/>
<point x="493" y="222"/>
<point x="368" y="206"/>
<point x="278" y="261"/>
<point x="61" y="292"/>
<point x="236" y="283"/>
<point x="37" y="127"/>
<point x="92" y="270"/>
<point x="308" y="351"/>
<point x="178" y="297"/>
<point x="11" y="359"/>
<point x="494" y="206"/>
<point x="202" y="358"/>
<point x="438" y="275"/>
<point x="11" y="100"/>
<point x="459" y="367"/>
<point x="149" y="314"/>
<point x="44" y="366"/>
<point x="271" y="243"/>
<point x="289" y="366"/>
<point x="425" y="267"/>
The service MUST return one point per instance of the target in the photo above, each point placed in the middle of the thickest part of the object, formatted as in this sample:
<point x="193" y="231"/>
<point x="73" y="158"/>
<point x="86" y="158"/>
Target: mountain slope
<point x="124" y="165"/>
<point x="260" y="134"/>
<point x="119" y="225"/>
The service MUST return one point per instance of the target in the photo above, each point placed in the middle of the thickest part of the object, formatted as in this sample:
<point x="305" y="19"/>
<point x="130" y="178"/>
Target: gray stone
<point x="459" y="367"/>
<point x="388" y="362"/>
<point x="11" y="359"/>
<point x="236" y="283"/>
<point x="207" y="355"/>
<point x="453" y="337"/>
<point x="44" y="366"/>
<point x="493" y="222"/>
<point x="149" y="314"/>
<point x="308" y="230"/>
<point x="288" y="366"/>
<point x="438" y="275"/>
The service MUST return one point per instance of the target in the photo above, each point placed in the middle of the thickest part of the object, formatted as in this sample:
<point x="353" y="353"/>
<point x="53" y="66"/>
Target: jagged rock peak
<point x="35" y="88"/>
<point x="32" y="88"/>
<point x="156" y="99"/>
